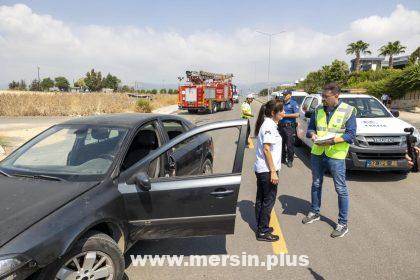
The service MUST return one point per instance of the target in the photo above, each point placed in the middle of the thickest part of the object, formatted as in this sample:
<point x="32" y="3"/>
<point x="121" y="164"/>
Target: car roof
<point x="120" y="119"/>
<point x="347" y="95"/>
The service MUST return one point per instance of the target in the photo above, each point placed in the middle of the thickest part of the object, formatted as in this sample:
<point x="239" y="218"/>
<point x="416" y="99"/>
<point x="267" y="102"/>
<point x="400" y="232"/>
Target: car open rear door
<point x="183" y="206"/>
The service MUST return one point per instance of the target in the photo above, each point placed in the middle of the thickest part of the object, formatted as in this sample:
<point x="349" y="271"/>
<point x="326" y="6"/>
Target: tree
<point x="110" y="81"/>
<point x="80" y="83"/>
<point x="62" y="83"/>
<point x="154" y="91"/>
<point x="415" y="56"/>
<point x="93" y="80"/>
<point x="46" y="84"/>
<point x="35" y="86"/>
<point x="170" y="91"/>
<point x="392" y="49"/>
<point x="337" y="72"/>
<point x="14" y="85"/>
<point x="162" y="90"/>
<point x="358" y="48"/>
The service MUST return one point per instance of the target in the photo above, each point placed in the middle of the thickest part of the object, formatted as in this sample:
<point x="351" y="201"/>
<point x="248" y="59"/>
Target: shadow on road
<point x="211" y="245"/>
<point x="304" y="154"/>
<point x="293" y="205"/>
<point x="315" y="275"/>
<point x="247" y="210"/>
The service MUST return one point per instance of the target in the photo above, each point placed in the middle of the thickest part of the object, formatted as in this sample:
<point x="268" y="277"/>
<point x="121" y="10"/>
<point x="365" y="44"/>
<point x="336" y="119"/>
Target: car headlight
<point x="9" y="264"/>
<point x="361" y="141"/>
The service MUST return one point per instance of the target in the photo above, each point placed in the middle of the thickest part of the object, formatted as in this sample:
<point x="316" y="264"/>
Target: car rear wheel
<point x="207" y="168"/>
<point x="96" y="256"/>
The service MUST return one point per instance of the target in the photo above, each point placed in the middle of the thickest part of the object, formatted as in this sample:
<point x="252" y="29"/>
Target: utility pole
<point x="269" y="57"/>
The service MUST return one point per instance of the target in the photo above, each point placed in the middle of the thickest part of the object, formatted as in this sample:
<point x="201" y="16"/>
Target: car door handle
<point x="221" y="193"/>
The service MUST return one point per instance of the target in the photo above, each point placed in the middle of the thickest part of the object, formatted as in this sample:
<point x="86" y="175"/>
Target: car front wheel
<point x="96" y="256"/>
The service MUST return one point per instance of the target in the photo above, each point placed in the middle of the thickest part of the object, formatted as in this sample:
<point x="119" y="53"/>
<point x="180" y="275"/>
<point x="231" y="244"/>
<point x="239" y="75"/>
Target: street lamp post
<point x="269" y="57"/>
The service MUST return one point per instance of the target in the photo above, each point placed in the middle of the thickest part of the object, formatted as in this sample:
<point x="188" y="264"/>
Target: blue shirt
<point x="350" y="132"/>
<point x="290" y="107"/>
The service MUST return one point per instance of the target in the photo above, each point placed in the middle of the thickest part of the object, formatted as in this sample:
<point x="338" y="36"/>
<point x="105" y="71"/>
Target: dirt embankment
<point x="14" y="103"/>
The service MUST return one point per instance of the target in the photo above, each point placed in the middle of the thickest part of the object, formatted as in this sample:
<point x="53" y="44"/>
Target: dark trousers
<point x="287" y="134"/>
<point x="266" y="197"/>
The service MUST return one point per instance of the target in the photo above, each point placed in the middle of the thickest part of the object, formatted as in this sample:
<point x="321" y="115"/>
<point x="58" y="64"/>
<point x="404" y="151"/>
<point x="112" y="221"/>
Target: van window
<point x="306" y="103"/>
<point x="314" y="104"/>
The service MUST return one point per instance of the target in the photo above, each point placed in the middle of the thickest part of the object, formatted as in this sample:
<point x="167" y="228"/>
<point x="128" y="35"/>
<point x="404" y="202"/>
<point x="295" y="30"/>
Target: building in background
<point x="375" y="63"/>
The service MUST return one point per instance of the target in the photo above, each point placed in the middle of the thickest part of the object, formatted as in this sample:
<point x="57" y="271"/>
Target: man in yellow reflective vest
<point x="332" y="128"/>
<point x="246" y="112"/>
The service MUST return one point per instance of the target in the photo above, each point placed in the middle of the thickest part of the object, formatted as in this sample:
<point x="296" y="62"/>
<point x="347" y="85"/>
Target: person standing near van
<point x="267" y="166"/>
<point x="338" y="120"/>
<point x="287" y="127"/>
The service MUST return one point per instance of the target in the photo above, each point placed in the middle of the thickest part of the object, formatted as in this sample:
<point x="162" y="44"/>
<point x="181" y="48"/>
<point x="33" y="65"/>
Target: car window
<point x="195" y="155"/>
<point x="146" y="140"/>
<point x="173" y="128"/>
<point x="314" y="104"/>
<point x="64" y="152"/>
<point x="367" y="107"/>
<point x="306" y="104"/>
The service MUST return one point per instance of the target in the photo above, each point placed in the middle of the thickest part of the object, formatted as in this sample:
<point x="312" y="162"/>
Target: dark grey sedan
<point x="74" y="198"/>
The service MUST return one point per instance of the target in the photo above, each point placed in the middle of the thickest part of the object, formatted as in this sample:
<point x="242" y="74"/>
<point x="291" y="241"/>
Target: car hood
<point x="25" y="201"/>
<point x="381" y="126"/>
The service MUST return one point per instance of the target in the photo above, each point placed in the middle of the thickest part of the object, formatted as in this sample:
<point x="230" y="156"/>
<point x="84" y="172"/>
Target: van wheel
<point x="207" y="168"/>
<point x="95" y="256"/>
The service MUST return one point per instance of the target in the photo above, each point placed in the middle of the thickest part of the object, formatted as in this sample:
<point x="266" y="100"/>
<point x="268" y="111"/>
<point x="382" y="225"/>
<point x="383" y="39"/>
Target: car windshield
<point x="367" y="107"/>
<point x="67" y="152"/>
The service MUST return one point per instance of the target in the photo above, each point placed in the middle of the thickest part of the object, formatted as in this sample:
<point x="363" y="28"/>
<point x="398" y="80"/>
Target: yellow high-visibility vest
<point x="245" y="108"/>
<point x="336" y="127"/>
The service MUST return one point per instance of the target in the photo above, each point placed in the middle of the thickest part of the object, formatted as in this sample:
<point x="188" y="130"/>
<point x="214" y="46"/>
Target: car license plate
<point x="381" y="163"/>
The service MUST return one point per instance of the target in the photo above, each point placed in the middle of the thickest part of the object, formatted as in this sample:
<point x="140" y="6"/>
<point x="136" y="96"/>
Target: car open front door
<point x="183" y="206"/>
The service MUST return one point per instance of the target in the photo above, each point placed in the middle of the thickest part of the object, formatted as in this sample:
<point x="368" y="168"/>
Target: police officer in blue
<point x="287" y="127"/>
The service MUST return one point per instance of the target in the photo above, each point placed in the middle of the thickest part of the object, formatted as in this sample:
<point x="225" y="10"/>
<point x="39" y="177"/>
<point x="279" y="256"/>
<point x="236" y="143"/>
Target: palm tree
<point x="391" y="49"/>
<point x="358" y="48"/>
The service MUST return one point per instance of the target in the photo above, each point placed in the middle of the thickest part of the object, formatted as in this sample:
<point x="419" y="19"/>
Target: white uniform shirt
<point x="268" y="134"/>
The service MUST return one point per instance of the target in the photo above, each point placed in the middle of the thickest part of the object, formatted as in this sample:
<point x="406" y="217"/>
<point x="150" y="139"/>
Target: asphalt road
<point x="383" y="241"/>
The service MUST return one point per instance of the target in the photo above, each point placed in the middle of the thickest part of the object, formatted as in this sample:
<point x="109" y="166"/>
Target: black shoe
<point x="290" y="164"/>
<point x="270" y="230"/>
<point x="268" y="237"/>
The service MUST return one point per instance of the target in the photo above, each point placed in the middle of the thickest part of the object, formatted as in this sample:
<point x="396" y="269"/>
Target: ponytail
<point x="266" y="110"/>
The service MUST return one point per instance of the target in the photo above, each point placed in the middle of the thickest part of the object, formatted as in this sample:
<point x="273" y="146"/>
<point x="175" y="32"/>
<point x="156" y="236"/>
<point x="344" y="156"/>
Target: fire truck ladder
<point x="199" y="77"/>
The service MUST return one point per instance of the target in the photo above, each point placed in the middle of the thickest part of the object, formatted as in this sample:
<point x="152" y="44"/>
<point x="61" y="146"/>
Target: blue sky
<point x="152" y="41"/>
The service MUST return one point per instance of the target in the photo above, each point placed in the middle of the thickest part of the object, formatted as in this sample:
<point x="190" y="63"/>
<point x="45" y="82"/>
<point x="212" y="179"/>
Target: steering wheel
<point x="106" y="156"/>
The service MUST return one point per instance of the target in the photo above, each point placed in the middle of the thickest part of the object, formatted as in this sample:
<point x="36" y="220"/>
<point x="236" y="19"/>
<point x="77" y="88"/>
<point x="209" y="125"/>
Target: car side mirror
<point x="308" y="114"/>
<point x="141" y="180"/>
<point x="395" y="113"/>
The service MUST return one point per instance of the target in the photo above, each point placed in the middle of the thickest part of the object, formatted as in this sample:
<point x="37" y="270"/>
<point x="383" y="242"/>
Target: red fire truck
<point x="205" y="91"/>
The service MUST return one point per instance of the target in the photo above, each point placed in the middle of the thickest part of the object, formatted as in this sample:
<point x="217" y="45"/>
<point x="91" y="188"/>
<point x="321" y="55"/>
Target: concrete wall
<point x="409" y="101"/>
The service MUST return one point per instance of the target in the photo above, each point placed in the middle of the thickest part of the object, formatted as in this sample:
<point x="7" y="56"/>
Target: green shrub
<point x="144" y="106"/>
<point x="397" y="83"/>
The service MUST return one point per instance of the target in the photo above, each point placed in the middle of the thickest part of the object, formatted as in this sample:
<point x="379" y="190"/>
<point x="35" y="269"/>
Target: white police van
<point x="380" y="142"/>
<point x="297" y="96"/>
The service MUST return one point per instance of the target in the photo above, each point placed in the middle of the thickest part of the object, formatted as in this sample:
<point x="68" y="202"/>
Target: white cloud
<point x="28" y="39"/>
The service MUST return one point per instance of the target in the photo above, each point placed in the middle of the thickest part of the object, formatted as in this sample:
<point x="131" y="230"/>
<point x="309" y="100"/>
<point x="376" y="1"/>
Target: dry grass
<point x="14" y="103"/>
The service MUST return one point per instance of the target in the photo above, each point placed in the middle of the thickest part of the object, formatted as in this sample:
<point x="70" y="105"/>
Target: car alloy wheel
<point x="90" y="265"/>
